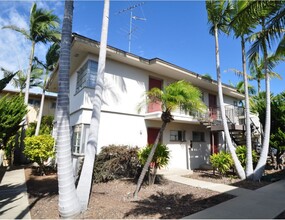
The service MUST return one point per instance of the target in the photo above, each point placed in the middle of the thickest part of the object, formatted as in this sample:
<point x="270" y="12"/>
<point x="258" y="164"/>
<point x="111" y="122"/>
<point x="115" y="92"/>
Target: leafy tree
<point x="85" y="180"/>
<point x="180" y="94"/>
<point x="39" y="149"/>
<point x="68" y="202"/>
<point x="160" y="159"/>
<point x="219" y="14"/>
<point x="43" y="27"/>
<point x="12" y="111"/>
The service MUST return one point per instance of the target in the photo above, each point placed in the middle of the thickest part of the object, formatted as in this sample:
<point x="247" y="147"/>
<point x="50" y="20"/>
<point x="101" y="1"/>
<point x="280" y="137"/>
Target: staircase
<point x="236" y="125"/>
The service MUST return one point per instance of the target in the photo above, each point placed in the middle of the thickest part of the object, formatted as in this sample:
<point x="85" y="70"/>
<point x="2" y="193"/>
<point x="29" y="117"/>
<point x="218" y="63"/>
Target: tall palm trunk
<point x="149" y="159"/>
<point x="249" y="165"/>
<point x="85" y="181"/>
<point x="237" y="163"/>
<point x="69" y="205"/>
<point x="265" y="146"/>
<point x="29" y="72"/>
<point x="41" y="111"/>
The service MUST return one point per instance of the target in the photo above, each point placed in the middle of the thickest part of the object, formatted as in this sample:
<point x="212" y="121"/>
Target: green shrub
<point x="222" y="161"/>
<point x="160" y="159"/>
<point x="39" y="149"/>
<point x="241" y="154"/>
<point x="115" y="162"/>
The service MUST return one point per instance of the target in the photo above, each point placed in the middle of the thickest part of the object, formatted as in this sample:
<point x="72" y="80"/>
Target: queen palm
<point x="240" y="30"/>
<point x="42" y="28"/>
<point x="20" y="79"/>
<point x="85" y="180"/>
<point x="68" y="201"/>
<point x="218" y="16"/>
<point x="180" y="94"/>
<point x="257" y="68"/>
<point x="51" y="59"/>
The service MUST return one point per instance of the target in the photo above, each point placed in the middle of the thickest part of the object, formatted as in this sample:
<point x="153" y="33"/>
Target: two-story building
<point x="190" y="138"/>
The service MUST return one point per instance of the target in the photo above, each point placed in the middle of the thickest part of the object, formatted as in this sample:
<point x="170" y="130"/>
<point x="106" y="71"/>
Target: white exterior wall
<point x="121" y="124"/>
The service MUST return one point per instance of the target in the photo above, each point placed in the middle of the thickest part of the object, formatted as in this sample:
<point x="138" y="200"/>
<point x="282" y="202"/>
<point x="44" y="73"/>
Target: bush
<point x="39" y="149"/>
<point x="241" y="154"/>
<point x="115" y="162"/>
<point x="160" y="159"/>
<point x="222" y="161"/>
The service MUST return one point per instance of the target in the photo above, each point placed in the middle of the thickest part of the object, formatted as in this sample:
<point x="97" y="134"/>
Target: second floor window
<point x="86" y="75"/>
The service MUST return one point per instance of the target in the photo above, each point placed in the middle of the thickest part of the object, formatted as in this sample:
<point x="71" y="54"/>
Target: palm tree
<point x="85" y="180"/>
<point x="51" y="59"/>
<point x="241" y="29"/>
<point x="257" y="68"/>
<point x="262" y="41"/>
<point x="218" y="16"/>
<point x="8" y="76"/>
<point x="21" y="78"/>
<point x="42" y="28"/>
<point x="68" y="201"/>
<point x="179" y="94"/>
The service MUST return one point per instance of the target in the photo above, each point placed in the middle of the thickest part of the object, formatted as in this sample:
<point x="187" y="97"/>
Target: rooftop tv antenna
<point x="132" y="17"/>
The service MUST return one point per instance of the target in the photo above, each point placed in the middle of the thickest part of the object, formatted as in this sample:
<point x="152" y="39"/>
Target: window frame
<point x="180" y="136"/>
<point x="198" y="136"/>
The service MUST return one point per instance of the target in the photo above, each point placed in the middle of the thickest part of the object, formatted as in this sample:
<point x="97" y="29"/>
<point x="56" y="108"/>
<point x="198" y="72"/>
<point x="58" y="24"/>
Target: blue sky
<point x="175" y="31"/>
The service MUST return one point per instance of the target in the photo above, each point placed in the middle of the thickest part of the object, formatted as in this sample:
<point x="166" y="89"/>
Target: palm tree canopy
<point x="43" y="26"/>
<point x="180" y="94"/>
<point x="219" y="14"/>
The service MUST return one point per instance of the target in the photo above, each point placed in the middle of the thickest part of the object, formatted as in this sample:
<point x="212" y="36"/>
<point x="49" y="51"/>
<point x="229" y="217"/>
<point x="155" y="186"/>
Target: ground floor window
<point x="79" y="138"/>
<point x="198" y="136"/>
<point x="177" y="135"/>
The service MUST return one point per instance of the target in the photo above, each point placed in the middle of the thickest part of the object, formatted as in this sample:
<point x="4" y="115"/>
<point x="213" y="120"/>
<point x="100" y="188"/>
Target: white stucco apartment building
<point x="191" y="140"/>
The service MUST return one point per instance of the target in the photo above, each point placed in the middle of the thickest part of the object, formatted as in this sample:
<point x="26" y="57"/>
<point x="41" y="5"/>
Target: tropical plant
<point x="43" y="27"/>
<point x="219" y="13"/>
<point x="68" y="202"/>
<point x="180" y="94"/>
<point x="51" y="59"/>
<point x="39" y="149"/>
<point x="12" y="111"/>
<point x="85" y="180"/>
<point x="8" y="76"/>
<point x="160" y="159"/>
<point x="241" y="152"/>
<point x="19" y="81"/>
<point x="222" y="161"/>
<point x="46" y="126"/>
<point x="116" y="162"/>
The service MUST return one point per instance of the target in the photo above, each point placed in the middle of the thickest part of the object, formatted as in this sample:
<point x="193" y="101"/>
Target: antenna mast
<point x="131" y="20"/>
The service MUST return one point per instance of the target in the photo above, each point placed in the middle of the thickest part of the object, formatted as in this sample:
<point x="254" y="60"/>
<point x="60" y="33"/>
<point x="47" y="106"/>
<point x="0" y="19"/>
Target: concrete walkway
<point x="264" y="203"/>
<point x="14" y="202"/>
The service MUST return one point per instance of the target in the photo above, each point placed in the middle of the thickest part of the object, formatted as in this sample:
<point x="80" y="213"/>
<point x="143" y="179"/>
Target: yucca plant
<point x="160" y="159"/>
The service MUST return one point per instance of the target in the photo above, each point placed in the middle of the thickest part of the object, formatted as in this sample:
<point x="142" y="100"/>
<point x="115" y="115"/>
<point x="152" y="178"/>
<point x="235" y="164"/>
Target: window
<point x="198" y="136"/>
<point x="86" y="75"/>
<point x="34" y="102"/>
<point x="177" y="135"/>
<point x="53" y="105"/>
<point x="76" y="137"/>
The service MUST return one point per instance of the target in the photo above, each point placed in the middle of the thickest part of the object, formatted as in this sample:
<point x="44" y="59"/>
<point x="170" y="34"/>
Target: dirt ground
<point x="113" y="200"/>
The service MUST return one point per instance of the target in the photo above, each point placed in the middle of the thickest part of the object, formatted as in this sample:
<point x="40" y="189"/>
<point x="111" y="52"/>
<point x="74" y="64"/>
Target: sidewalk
<point x="14" y="202"/>
<point x="264" y="203"/>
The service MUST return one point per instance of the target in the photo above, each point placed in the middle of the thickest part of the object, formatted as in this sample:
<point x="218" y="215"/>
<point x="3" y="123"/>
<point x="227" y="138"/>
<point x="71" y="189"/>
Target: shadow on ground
<point x="178" y="205"/>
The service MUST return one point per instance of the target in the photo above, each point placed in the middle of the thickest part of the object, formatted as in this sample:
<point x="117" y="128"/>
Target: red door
<point x="213" y="106"/>
<point x="154" y="83"/>
<point x="152" y="134"/>
<point x="215" y="143"/>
